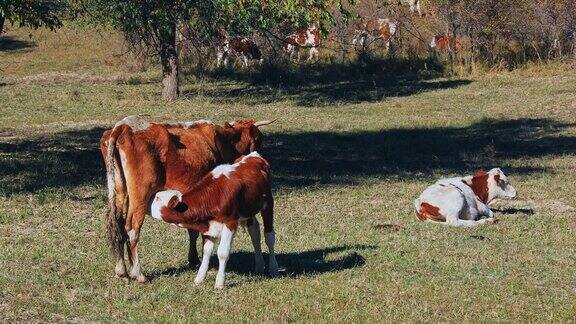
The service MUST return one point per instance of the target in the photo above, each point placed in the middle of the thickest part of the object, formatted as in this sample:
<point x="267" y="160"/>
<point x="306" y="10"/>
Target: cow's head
<point x="245" y="134"/>
<point x="491" y="185"/>
<point x="166" y="198"/>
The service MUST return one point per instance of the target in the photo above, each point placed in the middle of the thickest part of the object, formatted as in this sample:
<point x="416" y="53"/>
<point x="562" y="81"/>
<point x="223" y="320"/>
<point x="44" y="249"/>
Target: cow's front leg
<point x="192" y="251"/>
<point x="224" y="247"/>
<point x="207" y="253"/>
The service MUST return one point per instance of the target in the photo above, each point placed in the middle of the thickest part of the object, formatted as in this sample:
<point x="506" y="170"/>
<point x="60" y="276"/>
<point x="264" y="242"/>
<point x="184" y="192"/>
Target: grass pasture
<point x="349" y="154"/>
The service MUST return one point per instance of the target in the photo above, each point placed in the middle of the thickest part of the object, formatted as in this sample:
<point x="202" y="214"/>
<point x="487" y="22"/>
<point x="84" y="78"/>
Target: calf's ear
<point x="174" y="201"/>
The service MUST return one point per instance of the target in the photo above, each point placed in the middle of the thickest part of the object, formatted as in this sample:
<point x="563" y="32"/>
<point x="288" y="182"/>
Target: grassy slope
<point x="346" y="171"/>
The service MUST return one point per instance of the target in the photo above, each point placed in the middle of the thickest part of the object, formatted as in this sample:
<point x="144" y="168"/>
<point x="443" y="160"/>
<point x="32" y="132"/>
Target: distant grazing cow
<point x="414" y="6"/>
<point x="241" y="47"/>
<point x="462" y="201"/>
<point x="306" y="38"/>
<point x="442" y="43"/>
<point x="143" y="158"/>
<point x="230" y="195"/>
<point x="374" y="29"/>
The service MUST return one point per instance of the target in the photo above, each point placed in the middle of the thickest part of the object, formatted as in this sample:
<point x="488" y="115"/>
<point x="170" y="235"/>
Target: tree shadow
<point x="72" y="158"/>
<point x="367" y="80"/>
<point x="292" y="264"/>
<point x="61" y="160"/>
<point x="318" y="158"/>
<point x="10" y="43"/>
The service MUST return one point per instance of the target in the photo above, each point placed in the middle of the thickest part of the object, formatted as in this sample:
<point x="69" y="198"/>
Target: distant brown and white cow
<point x="442" y="43"/>
<point x="463" y="201"/>
<point x="230" y="195"/>
<point x="143" y="158"/>
<point x="414" y="6"/>
<point x="303" y="38"/>
<point x="374" y="29"/>
<point x="241" y="47"/>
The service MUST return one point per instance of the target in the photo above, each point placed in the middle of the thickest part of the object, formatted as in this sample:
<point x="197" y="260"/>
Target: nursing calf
<point x="230" y="195"/>
<point x="463" y="201"/>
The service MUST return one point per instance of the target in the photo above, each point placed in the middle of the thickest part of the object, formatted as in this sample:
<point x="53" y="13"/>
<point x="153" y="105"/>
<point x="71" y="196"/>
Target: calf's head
<point x="491" y="185"/>
<point x="167" y="198"/>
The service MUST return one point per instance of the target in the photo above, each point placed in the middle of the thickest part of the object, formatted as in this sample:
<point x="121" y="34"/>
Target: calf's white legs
<point x="207" y="252"/>
<point x="254" y="231"/>
<point x="223" y="254"/>
<point x="270" y="238"/>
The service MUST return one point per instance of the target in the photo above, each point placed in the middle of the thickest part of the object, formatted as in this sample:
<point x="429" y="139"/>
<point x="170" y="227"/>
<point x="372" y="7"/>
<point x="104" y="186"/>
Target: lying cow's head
<point x="491" y="185"/>
<point x="245" y="134"/>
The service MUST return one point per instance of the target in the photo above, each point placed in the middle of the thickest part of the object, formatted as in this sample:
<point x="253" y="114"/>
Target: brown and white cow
<point x="143" y="158"/>
<point x="414" y="6"/>
<point x="367" y="32"/>
<point x="442" y="43"/>
<point x="241" y="47"/>
<point x="463" y="201"/>
<point x="230" y="195"/>
<point x="303" y="38"/>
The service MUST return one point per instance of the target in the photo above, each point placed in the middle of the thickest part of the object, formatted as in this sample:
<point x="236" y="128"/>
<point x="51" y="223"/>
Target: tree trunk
<point x="170" y="65"/>
<point x="2" y="19"/>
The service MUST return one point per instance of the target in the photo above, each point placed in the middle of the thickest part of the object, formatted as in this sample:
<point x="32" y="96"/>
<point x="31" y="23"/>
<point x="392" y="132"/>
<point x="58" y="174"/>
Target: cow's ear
<point x="467" y="180"/>
<point x="227" y="125"/>
<point x="174" y="201"/>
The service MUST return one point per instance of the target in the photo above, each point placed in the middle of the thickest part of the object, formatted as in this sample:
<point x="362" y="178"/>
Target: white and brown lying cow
<point x="230" y="195"/>
<point x="463" y="201"/>
<point x="367" y="32"/>
<point x="303" y="37"/>
<point x="240" y="47"/>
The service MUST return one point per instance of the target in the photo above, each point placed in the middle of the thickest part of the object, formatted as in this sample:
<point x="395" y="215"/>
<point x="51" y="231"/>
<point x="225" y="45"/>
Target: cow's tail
<point x="115" y="217"/>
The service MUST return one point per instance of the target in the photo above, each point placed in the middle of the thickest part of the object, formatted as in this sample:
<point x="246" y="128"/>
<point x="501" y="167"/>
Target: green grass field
<point x="349" y="154"/>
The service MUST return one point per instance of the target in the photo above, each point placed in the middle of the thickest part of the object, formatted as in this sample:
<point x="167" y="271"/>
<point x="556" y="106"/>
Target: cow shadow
<point x="302" y="159"/>
<point x="292" y="264"/>
<point x="321" y="84"/>
<point x="10" y="44"/>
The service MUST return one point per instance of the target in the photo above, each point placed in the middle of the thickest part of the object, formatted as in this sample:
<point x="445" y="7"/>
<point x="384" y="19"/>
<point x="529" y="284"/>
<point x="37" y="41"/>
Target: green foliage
<point x="32" y="13"/>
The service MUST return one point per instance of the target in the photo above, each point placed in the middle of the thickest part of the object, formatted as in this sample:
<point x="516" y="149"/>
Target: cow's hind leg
<point x="254" y="231"/>
<point x="224" y="248"/>
<point x="134" y="224"/>
<point x="269" y="234"/>
<point x="192" y="251"/>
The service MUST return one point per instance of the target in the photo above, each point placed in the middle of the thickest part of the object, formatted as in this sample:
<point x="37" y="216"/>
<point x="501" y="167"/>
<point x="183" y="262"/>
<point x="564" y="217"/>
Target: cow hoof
<point x="191" y="264"/>
<point x="219" y="286"/>
<point x="140" y="278"/>
<point x="198" y="282"/>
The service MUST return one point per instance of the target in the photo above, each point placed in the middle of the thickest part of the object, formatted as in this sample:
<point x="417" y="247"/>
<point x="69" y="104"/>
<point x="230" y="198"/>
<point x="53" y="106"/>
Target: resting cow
<point x="143" y="158"/>
<point x="230" y="195"/>
<point x="463" y="201"/>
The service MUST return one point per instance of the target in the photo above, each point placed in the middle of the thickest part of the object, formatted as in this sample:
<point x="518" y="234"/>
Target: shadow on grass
<point x="367" y="80"/>
<point x="62" y="160"/>
<point x="72" y="158"/>
<point x="292" y="264"/>
<point x="322" y="158"/>
<point x="10" y="43"/>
